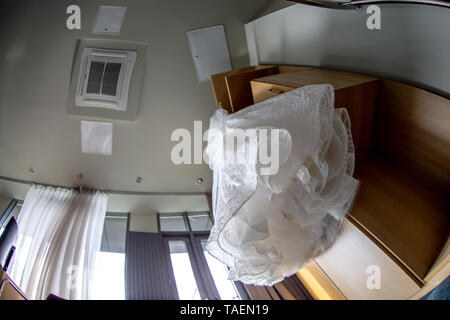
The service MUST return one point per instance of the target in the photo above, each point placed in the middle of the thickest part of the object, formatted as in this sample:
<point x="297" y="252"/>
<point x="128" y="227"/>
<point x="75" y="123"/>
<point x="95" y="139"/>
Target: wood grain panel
<point x="261" y="292"/>
<point x="262" y="91"/>
<point x="338" y="79"/>
<point x="283" y="291"/>
<point x="239" y="88"/>
<point x="413" y="128"/>
<point x="405" y="216"/>
<point x="286" y="69"/>
<point x="356" y="96"/>
<point x="220" y="87"/>
<point x="403" y="163"/>
<point x="359" y="101"/>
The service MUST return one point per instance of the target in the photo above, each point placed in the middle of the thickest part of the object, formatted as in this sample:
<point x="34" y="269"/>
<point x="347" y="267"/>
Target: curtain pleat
<point x="59" y="235"/>
<point x="147" y="268"/>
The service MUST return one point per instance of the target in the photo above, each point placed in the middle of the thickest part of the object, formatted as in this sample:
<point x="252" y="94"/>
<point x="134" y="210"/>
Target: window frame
<point x="116" y="215"/>
<point x="122" y="215"/>
<point x="205" y="281"/>
<point x="6" y="215"/>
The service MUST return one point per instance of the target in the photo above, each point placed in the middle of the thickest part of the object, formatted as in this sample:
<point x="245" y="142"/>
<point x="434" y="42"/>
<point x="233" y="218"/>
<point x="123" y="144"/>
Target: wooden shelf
<point x="408" y="218"/>
<point x="402" y="144"/>
<point x="404" y="196"/>
<point x="352" y="91"/>
<point x="232" y="89"/>
<point x="338" y="79"/>
<point x="402" y="204"/>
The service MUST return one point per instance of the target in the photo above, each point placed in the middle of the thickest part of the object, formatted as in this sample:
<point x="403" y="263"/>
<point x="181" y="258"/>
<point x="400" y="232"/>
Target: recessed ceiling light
<point x="79" y="175"/>
<point x="198" y="181"/>
<point x="139" y="179"/>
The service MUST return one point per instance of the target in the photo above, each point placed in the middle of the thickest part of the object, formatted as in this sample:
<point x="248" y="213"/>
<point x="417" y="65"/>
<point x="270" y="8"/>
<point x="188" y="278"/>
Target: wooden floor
<point x="403" y="212"/>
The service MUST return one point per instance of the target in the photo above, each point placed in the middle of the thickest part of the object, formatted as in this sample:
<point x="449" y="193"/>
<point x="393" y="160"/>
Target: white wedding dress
<point x="269" y="226"/>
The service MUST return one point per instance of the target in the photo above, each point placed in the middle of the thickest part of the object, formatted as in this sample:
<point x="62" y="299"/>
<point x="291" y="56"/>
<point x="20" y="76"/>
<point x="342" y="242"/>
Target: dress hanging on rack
<point x="268" y="226"/>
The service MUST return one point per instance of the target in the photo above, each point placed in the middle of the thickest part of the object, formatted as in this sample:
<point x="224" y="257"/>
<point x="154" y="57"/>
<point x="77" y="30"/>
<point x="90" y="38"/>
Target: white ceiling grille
<point x="109" y="20"/>
<point x="104" y="79"/>
<point x="96" y="137"/>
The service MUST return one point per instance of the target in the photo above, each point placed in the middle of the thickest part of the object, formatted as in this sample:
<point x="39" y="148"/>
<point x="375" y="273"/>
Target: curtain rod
<point x="119" y="192"/>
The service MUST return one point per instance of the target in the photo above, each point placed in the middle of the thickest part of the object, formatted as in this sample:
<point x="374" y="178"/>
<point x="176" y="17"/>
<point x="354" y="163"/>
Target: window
<point x="182" y="269"/>
<point x="173" y="222"/>
<point x="196" y="273"/>
<point x="200" y="221"/>
<point x="226" y="288"/>
<point x="109" y="271"/>
<point x="109" y="276"/>
<point x="13" y="210"/>
<point x="105" y="78"/>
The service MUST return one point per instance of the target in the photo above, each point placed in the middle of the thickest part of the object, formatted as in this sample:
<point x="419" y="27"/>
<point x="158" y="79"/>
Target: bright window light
<point x="182" y="270"/>
<point x="109" y="276"/>
<point x="219" y="272"/>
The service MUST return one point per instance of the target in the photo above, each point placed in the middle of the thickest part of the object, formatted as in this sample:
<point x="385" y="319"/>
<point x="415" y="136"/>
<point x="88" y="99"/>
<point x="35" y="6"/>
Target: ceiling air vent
<point x="104" y="79"/>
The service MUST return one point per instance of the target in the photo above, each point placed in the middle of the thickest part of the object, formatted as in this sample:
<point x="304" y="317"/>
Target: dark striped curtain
<point x="147" y="268"/>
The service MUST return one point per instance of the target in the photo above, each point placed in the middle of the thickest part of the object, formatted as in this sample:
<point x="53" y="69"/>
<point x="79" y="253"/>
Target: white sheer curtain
<point x="60" y="232"/>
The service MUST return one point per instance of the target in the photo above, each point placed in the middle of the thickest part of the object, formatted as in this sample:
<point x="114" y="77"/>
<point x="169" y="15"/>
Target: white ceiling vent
<point x="96" y="137"/>
<point x="104" y="79"/>
<point x="109" y="20"/>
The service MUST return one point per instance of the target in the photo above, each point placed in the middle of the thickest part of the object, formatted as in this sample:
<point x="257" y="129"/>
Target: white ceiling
<point x="36" y="56"/>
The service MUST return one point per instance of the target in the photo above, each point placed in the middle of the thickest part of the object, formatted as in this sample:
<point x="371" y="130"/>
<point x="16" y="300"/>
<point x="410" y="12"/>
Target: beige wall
<point x="35" y="62"/>
<point x="412" y="46"/>
<point x="143" y="209"/>
<point x="144" y="222"/>
<point x="139" y="205"/>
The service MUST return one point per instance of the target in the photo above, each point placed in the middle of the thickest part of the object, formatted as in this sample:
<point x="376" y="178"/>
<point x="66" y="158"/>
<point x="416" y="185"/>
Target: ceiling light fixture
<point x="198" y="181"/>
<point x="79" y="176"/>
<point x="139" y="179"/>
